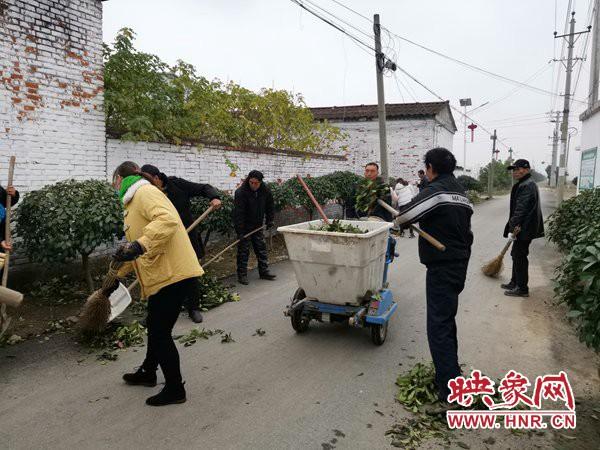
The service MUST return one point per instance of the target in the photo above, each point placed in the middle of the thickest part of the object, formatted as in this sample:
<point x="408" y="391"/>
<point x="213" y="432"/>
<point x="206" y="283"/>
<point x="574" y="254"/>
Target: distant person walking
<point x="525" y="223"/>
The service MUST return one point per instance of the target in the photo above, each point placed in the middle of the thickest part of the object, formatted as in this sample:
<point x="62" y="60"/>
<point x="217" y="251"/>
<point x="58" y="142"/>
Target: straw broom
<point x="494" y="267"/>
<point x="96" y="310"/>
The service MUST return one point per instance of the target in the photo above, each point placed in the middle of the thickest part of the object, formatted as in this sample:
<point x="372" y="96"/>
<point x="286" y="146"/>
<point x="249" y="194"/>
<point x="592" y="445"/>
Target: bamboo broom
<point x="495" y="266"/>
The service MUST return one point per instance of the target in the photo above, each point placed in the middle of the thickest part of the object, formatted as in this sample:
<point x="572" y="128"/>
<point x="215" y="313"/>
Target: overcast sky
<point x="274" y="43"/>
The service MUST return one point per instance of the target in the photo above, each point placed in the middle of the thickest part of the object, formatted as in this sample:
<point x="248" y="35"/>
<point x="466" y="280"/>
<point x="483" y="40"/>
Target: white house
<point x="412" y="129"/>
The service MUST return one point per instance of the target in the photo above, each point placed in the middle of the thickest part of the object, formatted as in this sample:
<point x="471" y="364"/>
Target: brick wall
<point x="51" y="86"/>
<point x="209" y="164"/>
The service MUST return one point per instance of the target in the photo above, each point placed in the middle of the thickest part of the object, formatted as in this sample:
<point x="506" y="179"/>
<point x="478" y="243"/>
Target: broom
<point x="495" y="266"/>
<point x="96" y="310"/>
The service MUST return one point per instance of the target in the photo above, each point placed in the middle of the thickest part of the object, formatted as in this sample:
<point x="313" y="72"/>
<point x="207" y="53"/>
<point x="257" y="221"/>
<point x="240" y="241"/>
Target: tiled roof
<point x="369" y="112"/>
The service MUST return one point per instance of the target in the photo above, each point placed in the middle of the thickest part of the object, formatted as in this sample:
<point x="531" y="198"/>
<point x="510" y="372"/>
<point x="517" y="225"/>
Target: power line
<point x="463" y="63"/>
<point x="334" y="25"/>
<point x="370" y="36"/>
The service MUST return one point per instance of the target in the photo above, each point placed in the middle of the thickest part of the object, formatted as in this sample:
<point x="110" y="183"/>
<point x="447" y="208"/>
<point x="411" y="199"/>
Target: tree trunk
<point x="85" y="262"/>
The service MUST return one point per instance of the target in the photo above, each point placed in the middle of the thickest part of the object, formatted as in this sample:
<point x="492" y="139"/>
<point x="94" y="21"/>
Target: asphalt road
<point x="329" y="386"/>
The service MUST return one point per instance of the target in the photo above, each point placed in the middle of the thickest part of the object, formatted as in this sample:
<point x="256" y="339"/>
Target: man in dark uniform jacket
<point x="180" y="192"/>
<point x="253" y="204"/>
<point x="442" y="210"/>
<point x="525" y="223"/>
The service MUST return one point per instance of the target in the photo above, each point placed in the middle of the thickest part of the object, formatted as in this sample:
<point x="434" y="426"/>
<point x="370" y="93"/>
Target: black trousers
<point x="260" y="250"/>
<point x="444" y="282"/>
<point x="520" y="269"/>
<point x="163" y="310"/>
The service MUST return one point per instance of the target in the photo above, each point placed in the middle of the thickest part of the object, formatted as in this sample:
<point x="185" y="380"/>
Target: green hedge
<point x="575" y="228"/>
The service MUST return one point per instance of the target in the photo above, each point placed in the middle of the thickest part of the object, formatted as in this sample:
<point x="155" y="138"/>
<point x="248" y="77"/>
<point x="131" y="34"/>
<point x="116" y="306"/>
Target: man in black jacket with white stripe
<point x="442" y="210"/>
<point x="525" y="223"/>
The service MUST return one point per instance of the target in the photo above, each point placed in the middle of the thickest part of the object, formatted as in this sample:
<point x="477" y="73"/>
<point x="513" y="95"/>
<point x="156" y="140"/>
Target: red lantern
<point x="472" y="128"/>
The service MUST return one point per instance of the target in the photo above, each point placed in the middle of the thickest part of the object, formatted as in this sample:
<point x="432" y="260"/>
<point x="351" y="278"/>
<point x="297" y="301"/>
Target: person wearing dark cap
<point x="525" y="223"/>
<point x="253" y="203"/>
<point x="180" y="192"/>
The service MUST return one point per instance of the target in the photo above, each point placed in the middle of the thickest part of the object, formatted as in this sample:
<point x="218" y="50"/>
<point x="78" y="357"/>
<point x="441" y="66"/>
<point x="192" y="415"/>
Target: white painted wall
<point x="590" y="138"/>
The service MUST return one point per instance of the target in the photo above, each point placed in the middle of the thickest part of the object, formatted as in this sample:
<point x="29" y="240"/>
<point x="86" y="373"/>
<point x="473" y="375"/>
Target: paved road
<point x="285" y="390"/>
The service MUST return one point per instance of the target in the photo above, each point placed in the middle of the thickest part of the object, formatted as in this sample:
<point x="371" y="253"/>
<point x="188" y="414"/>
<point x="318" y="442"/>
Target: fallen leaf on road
<point x="338" y="433"/>
<point x="259" y="332"/>
<point x="226" y="338"/>
<point x="569" y="438"/>
<point x="360" y="374"/>
<point x="369" y="425"/>
<point x="379" y="412"/>
<point x="463" y="445"/>
<point x="595" y="417"/>
<point x="489" y="441"/>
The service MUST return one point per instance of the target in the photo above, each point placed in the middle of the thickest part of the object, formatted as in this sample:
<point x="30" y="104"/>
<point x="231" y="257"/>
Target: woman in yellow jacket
<point x="160" y="252"/>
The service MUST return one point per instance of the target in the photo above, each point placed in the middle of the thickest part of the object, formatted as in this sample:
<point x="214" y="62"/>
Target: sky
<point x="276" y="44"/>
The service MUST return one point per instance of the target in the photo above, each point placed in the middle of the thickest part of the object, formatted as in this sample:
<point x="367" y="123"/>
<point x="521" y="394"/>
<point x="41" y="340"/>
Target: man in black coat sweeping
<point x="525" y="223"/>
<point x="253" y="203"/>
<point x="180" y="191"/>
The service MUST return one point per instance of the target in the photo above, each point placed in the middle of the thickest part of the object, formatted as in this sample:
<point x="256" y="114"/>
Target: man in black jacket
<point x="423" y="181"/>
<point x="442" y="210"/>
<point x="525" y="223"/>
<point x="390" y="197"/>
<point x="253" y="203"/>
<point x="180" y="192"/>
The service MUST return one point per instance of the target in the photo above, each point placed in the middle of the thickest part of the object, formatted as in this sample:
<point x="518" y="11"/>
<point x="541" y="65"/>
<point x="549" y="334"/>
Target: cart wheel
<point x="379" y="333"/>
<point x="299" y="323"/>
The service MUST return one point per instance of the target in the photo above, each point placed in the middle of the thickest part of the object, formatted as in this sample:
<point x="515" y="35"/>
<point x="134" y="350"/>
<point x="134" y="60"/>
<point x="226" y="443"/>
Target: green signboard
<point x="587" y="172"/>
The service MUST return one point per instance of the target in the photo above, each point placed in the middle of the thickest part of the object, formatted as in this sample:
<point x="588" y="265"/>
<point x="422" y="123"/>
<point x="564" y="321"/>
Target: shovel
<point x="120" y="299"/>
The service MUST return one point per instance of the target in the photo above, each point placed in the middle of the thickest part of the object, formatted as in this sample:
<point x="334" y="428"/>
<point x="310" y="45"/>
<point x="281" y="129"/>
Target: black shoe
<point x="141" y="378"/>
<point x="243" y="279"/>
<point x="517" y="292"/>
<point x="170" y="395"/>
<point x="508" y="286"/>
<point x="195" y="315"/>
<point x="267" y="276"/>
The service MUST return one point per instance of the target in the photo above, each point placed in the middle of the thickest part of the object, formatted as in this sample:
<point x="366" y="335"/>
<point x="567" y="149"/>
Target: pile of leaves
<point x="59" y="290"/>
<point x="115" y="336"/>
<point x="575" y="228"/>
<point x="336" y="226"/>
<point x="416" y="388"/>
<point x="214" y="293"/>
<point x="367" y="194"/>
<point x="195" y="334"/>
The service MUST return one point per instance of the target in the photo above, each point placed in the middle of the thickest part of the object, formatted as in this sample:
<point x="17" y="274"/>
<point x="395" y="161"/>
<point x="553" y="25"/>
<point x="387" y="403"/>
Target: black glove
<point x="128" y="251"/>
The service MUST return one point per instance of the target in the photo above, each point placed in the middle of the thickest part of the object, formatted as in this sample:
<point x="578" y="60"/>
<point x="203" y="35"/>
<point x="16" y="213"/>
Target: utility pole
<point x="491" y="171"/>
<point x="379" y="67"/>
<point x="564" y="132"/>
<point x="464" y="102"/>
<point x="595" y="62"/>
<point x="510" y="160"/>
<point x="553" y="170"/>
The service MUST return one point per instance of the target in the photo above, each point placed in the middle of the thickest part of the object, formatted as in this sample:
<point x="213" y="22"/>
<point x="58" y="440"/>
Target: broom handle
<point x="429" y="238"/>
<point x="11" y="172"/>
<point x="313" y="199"/>
<point x="188" y="229"/>
<point x="505" y="249"/>
<point x="231" y="245"/>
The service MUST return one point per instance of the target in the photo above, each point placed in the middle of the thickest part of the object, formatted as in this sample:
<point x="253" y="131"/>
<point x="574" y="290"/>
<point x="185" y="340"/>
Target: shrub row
<point x="575" y="228"/>
<point x="71" y="219"/>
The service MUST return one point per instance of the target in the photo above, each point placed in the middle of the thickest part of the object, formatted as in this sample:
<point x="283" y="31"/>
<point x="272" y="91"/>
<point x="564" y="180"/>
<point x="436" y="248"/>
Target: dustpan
<point x="120" y="299"/>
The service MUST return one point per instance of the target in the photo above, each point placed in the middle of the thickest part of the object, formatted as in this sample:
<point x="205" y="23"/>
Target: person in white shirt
<point x="405" y="193"/>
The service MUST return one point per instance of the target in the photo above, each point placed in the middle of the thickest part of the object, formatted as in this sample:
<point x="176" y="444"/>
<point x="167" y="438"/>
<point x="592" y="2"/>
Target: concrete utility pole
<point x="595" y="62"/>
<point x="491" y="171"/>
<point x="379" y="67"/>
<point x="464" y="102"/>
<point x="564" y="132"/>
<point x="553" y="170"/>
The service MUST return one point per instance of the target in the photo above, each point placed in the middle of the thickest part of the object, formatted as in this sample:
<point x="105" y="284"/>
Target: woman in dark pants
<point x="159" y="251"/>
